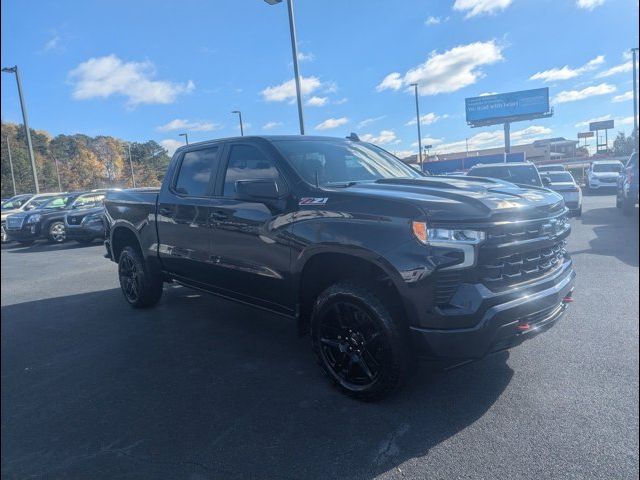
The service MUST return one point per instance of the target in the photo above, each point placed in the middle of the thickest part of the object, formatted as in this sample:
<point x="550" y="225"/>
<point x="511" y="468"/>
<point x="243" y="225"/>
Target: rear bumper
<point x="597" y="184"/>
<point x="507" y="323"/>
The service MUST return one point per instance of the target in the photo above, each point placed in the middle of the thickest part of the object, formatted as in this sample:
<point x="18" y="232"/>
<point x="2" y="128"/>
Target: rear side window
<point x="196" y="170"/>
<point x="248" y="163"/>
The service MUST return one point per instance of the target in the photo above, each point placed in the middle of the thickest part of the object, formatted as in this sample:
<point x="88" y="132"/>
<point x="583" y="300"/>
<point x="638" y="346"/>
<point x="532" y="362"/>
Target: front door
<point x="249" y="248"/>
<point x="183" y="216"/>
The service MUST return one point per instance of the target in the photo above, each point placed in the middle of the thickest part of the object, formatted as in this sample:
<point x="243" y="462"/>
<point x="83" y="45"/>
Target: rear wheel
<point x="141" y="288"/>
<point x="359" y="345"/>
<point x="57" y="233"/>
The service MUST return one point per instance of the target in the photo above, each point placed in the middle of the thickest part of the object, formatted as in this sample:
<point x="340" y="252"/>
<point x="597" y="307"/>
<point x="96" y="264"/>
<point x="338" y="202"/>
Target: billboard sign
<point x="585" y="134"/>
<point x="605" y="125"/>
<point x="512" y="106"/>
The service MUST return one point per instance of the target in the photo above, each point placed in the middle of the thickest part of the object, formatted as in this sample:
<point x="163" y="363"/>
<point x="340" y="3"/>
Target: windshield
<point x="551" y="168"/>
<point x="86" y="201"/>
<point x="15" y="202"/>
<point x="559" y="177"/>
<point x="56" y="202"/>
<point x="524" y="174"/>
<point x="341" y="162"/>
<point x="607" y="167"/>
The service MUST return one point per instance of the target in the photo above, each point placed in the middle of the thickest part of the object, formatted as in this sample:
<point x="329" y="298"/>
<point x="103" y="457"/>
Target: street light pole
<point x="186" y="137"/>
<point x="25" y="121"/>
<point x="133" y="177"/>
<point x="13" y="178"/>
<point x="294" y="51"/>
<point x="415" y="87"/>
<point x="240" y="117"/>
<point x="55" y="160"/>
<point x="634" y="52"/>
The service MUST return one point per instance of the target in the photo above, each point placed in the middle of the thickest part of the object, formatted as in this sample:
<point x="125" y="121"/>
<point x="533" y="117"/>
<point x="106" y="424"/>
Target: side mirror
<point x="257" y="190"/>
<point x="546" y="181"/>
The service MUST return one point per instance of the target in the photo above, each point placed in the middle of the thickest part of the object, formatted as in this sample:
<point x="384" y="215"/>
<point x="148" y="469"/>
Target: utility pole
<point x="13" y="178"/>
<point x="415" y="87"/>
<point x="240" y="117"/>
<point x="25" y="121"/>
<point x="294" y="51"/>
<point x="634" y="52"/>
<point x="133" y="177"/>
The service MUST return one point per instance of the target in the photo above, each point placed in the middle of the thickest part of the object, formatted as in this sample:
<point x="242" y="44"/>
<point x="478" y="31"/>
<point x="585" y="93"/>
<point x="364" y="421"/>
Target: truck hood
<point x="467" y="199"/>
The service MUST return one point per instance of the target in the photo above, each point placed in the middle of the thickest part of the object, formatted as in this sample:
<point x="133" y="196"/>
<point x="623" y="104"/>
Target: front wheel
<point x="57" y="233"/>
<point x="141" y="288"/>
<point x="359" y="345"/>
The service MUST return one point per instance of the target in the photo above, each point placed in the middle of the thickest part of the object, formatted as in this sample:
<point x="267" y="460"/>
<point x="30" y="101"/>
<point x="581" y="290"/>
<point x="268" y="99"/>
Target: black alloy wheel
<point x="358" y="343"/>
<point x="129" y="279"/>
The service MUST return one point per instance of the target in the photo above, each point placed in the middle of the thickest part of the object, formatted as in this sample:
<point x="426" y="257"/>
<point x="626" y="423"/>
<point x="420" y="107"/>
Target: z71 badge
<point x="313" y="201"/>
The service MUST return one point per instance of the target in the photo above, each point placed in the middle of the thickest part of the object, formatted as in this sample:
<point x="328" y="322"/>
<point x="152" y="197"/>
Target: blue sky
<point x="152" y="69"/>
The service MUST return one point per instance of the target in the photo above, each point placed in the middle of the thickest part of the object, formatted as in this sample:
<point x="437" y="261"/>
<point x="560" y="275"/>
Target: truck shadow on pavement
<point x="15" y="247"/>
<point x="203" y="388"/>
<point x="616" y="235"/>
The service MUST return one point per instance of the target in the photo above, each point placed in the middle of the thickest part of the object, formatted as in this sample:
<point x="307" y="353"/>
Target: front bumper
<point x="28" y="232"/>
<point x="507" y="319"/>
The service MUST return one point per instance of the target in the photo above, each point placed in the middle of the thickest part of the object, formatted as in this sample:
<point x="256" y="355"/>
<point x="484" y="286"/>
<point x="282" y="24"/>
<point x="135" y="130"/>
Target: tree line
<point x="80" y="162"/>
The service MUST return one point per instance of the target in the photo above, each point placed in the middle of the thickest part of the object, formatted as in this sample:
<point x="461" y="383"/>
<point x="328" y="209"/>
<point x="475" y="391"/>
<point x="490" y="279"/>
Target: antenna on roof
<point x="354" y="137"/>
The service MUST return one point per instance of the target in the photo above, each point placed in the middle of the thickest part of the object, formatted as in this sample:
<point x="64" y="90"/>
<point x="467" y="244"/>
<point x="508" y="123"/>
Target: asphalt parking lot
<point x="201" y="388"/>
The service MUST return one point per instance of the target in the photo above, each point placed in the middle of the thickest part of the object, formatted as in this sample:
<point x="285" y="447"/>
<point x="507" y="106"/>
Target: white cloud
<point x="575" y="95"/>
<point x="623" y="97"/>
<point x="428" y="141"/>
<point x="448" y="71"/>
<point x="432" y="21"/>
<point x="317" y="101"/>
<point x="585" y="123"/>
<point x="341" y="101"/>
<point x="53" y="43"/>
<point x="623" y="68"/>
<point x="383" y="138"/>
<point x="171" y="145"/>
<point x="330" y="123"/>
<point x="271" y="125"/>
<point x="495" y="138"/>
<point x="404" y="153"/>
<point x="589" y="4"/>
<point x="625" y="120"/>
<point x="368" y="121"/>
<point x="480" y="7"/>
<point x="182" y="124"/>
<point x="287" y="90"/>
<point x="486" y="94"/>
<point x="103" y="77"/>
<point x="303" y="57"/>
<point x="426" y="119"/>
<point x="566" y="72"/>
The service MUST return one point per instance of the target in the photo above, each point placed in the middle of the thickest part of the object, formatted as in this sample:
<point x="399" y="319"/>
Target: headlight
<point x="426" y="235"/>
<point x="34" y="218"/>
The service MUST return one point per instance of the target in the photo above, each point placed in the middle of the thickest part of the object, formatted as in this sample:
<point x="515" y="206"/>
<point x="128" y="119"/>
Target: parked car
<point x="550" y="168"/>
<point x="565" y="185"/>
<point x="47" y="221"/>
<point x="627" y="186"/>
<point x="603" y="174"/>
<point x="85" y="225"/>
<point x="378" y="262"/>
<point x="22" y="203"/>
<point x="520" y="173"/>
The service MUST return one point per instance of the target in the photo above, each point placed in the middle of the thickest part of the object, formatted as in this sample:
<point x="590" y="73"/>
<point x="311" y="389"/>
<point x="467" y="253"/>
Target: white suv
<point x="603" y="174"/>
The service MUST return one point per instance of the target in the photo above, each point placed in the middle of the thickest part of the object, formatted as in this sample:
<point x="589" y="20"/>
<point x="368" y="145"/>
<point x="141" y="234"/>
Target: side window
<point x="195" y="172"/>
<point x="248" y="163"/>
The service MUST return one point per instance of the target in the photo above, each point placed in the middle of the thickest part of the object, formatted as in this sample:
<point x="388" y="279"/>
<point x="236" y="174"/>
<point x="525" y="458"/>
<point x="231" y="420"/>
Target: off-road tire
<point x="147" y="288"/>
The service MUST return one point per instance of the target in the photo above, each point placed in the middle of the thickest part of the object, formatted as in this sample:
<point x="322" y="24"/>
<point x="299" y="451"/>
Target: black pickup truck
<point x="380" y="264"/>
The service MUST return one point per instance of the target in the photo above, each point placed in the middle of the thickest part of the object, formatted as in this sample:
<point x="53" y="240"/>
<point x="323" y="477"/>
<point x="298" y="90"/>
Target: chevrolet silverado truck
<point x="378" y="263"/>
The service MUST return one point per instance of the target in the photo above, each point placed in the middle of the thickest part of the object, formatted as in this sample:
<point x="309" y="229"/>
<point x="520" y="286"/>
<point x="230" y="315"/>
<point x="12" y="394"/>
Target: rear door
<point x="184" y="203"/>
<point x="251" y="253"/>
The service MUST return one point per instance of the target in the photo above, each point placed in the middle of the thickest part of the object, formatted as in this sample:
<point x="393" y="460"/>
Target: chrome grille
<point x="510" y="233"/>
<point x="14" y="223"/>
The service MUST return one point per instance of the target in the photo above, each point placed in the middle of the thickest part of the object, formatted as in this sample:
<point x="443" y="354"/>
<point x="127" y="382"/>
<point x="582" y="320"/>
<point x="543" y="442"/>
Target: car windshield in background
<point x="559" y="177"/>
<point x="56" y="202"/>
<point x="86" y="201"/>
<point x="342" y="162"/>
<point x="515" y="174"/>
<point x="607" y="167"/>
<point x="15" y="202"/>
